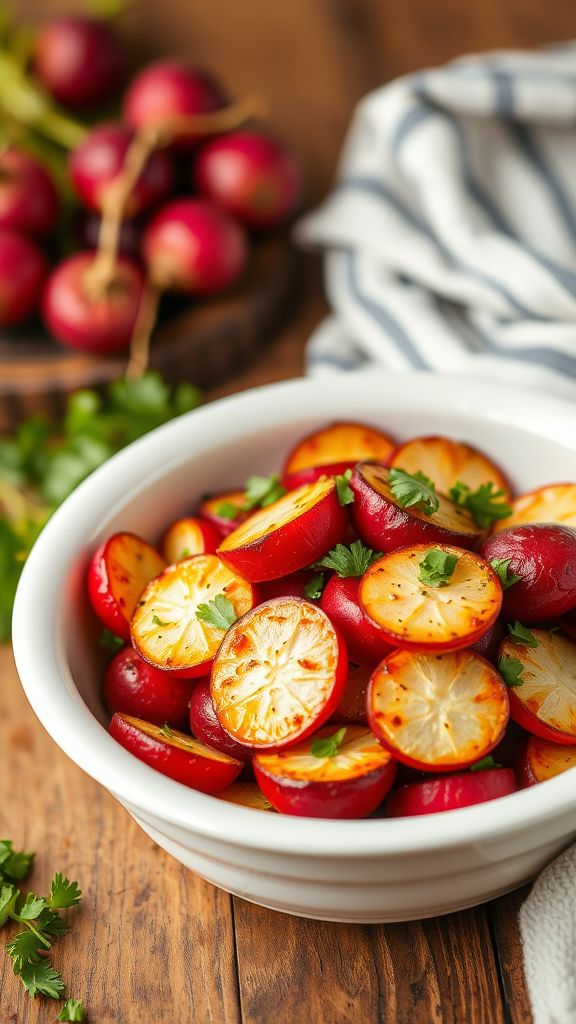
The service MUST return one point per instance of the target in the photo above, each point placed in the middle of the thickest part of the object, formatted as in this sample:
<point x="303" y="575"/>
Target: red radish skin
<point x="543" y="555"/>
<point x="312" y="473"/>
<point x="83" y="317"/>
<point x="288" y="535"/>
<point x="209" y="510"/>
<point x="350" y="784"/>
<point x="450" y="792"/>
<point x="87" y="231"/>
<point x="488" y="646"/>
<point x="187" y="537"/>
<point x="437" y="712"/>
<point x="191" y="246"/>
<point x="568" y="623"/>
<point x="176" y="755"/>
<point x="365" y="643"/>
<point x="22" y="272"/>
<point x="544" y="701"/>
<point x="28" y="198"/>
<point x="554" y="503"/>
<point x="251" y="176"/>
<point x="134" y="687"/>
<point x="293" y="585"/>
<point x="446" y="462"/>
<point x="279" y="674"/>
<point x="352" y="707"/>
<point x="383" y="525"/>
<point x="340" y="442"/>
<point x="541" y="760"/>
<point x="169" y="89"/>
<point x="205" y="725"/>
<point x="96" y="163"/>
<point x="117" y="575"/>
<point x="78" y="60"/>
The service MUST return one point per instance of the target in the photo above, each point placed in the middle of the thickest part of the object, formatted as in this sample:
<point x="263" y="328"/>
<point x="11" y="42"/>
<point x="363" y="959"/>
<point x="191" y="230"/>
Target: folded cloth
<point x="450" y="236"/>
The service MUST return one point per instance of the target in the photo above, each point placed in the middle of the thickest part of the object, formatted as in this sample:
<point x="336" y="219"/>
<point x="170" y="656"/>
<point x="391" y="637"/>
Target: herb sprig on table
<point x="43" y="462"/>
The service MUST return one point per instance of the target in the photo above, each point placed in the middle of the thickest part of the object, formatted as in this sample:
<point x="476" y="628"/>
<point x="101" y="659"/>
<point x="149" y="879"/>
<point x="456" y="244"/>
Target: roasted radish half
<point x="541" y="677"/>
<point x="133" y="686"/>
<point x="205" y="725"/>
<point x="449" y="792"/>
<point x="174" y="754"/>
<point x="440" y="712"/>
<point x="340" y="442"/>
<point x="224" y="511"/>
<point x="187" y="537"/>
<point x="246" y="794"/>
<point x="365" y="642"/>
<point x="448" y="462"/>
<point x="287" y="535"/>
<point x="555" y="503"/>
<point x="183" y="614"/>
<point x="312" y="473"/>
<point x="337" y="773"/>
<point x="279" y="674"/>
<point x="118" y="573"/>
<point x="393" y="509"/>
<point x="352" y="706"/>
<point x="431" y="599"/>
<point x="541" y="760"/>
<point x="542" y="558"/>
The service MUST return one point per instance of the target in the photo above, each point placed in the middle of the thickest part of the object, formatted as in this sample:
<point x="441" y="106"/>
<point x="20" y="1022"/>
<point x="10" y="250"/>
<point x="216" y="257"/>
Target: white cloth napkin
<point x="450" y="236"/>
<point x="450" y="243"/>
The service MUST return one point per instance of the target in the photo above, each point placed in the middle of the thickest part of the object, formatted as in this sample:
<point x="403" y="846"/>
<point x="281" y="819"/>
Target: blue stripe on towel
<point x="525" y="140"/>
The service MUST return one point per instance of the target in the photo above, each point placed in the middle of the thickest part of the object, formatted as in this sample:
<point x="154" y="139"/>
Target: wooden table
<point x="152" y="944"/>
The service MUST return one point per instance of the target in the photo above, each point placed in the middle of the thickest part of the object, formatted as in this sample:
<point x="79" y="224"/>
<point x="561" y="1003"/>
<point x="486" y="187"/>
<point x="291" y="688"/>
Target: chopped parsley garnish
<point x="437" y="567"/>
<point x="158" y="622"/>
<point x="486" y="505"/>
<point x="328" y="746"/>
<point x="502" y="569"/>
<point x="484" y="764"/>
<point x="72" y="1011"/>
<point x="414" y="490"/>
<point x="511" y="671"/>
<point x="314" y="587"/>
<point x="349" y="559"/>
<point x="110" y="642"/>
<point x="521" y="635"/>
<point x="228" y="511"/>
<point x="219" y="612"/>
<point x="343" y="489"/>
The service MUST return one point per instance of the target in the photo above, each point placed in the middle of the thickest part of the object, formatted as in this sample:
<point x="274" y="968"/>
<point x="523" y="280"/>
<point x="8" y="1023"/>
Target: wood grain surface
<point x="153" y="944"/>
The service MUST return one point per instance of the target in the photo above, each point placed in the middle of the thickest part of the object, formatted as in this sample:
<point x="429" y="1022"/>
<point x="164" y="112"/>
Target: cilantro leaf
<point x="315" y="586"/>
<point x="32" y="906"/>
<point x="511" y="671"/>
<point x="41" y="979"/>
<point x="167" y="731"/>
<point x="228" y="511"/>
<point x="327" y="746"/>
<point x="63" y="893"/>
<point x="158" y="622"/>
<point x="343" y="489"/>
<point x="521" y="635"/>
<point x="8" y="898"/>
<point x="413" y="490"/>
<point x="25" y="948"/>
<point x="437" y="567"/>
<point x="110" y="642"/>
<point x="261" y="491"/>
<point x="484" y="764"/>
<point x="502" y="569"/>
<point x="72" y="1010"/>
<point x="219" y="612"/>
<point x="349" y="560"/>
<point x="14" y="864"/>
<point x="486" y="504"/>
<point x="49" y="922"/>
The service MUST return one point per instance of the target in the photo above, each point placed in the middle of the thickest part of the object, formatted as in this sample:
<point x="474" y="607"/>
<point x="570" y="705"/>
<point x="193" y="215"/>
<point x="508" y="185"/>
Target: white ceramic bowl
<point x="374" y="870"/>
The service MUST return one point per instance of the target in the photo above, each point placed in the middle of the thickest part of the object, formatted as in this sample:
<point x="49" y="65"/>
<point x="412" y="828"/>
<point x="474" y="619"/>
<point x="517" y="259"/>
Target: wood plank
<point x="503" y="916"/>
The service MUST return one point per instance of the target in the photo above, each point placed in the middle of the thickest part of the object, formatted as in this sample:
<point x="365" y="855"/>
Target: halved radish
<point x="365" y="642"/>
<point x="246" y="794"/>
<point x="384" y="524"/>
<point x="176" y="755"/>
<point x="117" y="575"/>
<point x="340" y="442"/>
<point x="543" y="558"/>
<point x="349" y="782"/>
<point x="205" y="725"/>
<point x="279" y="673"/>
<point x="417" y="616"/>
<point x="541" y="760"/>
<point x="555" y="503"/>
<point x="223" y="511"/>
<point x="352" y="706"/>
<point x="446" y="462"/>
<point x="449" y="792"/>
<point x="166" y="629"/>
<point x="293" y="585"/>
<point x="437" y="712"/>
<point x="543" y="697"/>
<point x="187" y="537"/>
<point x="312" y="473"/>
<point x="287" y="535"/>
<point x="134" y="687"/>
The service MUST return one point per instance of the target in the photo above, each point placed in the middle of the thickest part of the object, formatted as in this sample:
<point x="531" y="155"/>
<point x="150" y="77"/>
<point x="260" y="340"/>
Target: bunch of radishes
<point x="166" y="196"/>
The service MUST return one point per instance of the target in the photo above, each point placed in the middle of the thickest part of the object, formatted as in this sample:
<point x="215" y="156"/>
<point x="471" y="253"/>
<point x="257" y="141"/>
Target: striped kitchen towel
<point x="450" y="236"/>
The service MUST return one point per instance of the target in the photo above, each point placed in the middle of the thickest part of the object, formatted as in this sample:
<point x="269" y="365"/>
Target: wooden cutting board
<point x="201" y="342"/>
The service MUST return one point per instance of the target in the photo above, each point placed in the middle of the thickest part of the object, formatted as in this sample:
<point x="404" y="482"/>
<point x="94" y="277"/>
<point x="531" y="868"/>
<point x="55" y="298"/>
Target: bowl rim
<point x="50" y="688"/>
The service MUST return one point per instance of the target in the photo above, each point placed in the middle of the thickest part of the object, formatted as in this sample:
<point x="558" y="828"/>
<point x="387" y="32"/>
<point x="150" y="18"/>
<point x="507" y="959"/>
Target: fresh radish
<point x="22" y="272"/>
<point x="365" y="642"/>
<point x="489" y="643"/>
<point x="118" y="573"/>
<point x="431" y="599"/>
<point x="183" y="614"/>
<point x="541" y="760"/>
<point x="352" y="707"/>
<point x="542" y="557"/>
<point x="541" y="677"/>
<point x="337" y="773"/>
<point x="297" y="584"/>
<point x="187" y="537"/>
<point x="311" y="474"/>
<point x="28" y="197"/>
<point x="448" y="462"/>
<point x="555" y="503"/>
<point x="175" y="754"/>
<point x="279" y="674"/>
<point x="78" y="59"/>
<point x="223" y="511"/>
<point x="134" y="687"/>
<point x="341" y="442"/>
<point x="437" y="712"/>
<point x="393" y="509"/>
<point x="87" y="227"/>
<point x="169" y="90"/>
<point x="287" y="535"/>
<point x="205" y="725"/>
<point x="449" y="792"/>
<point x="245" y="794"/>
